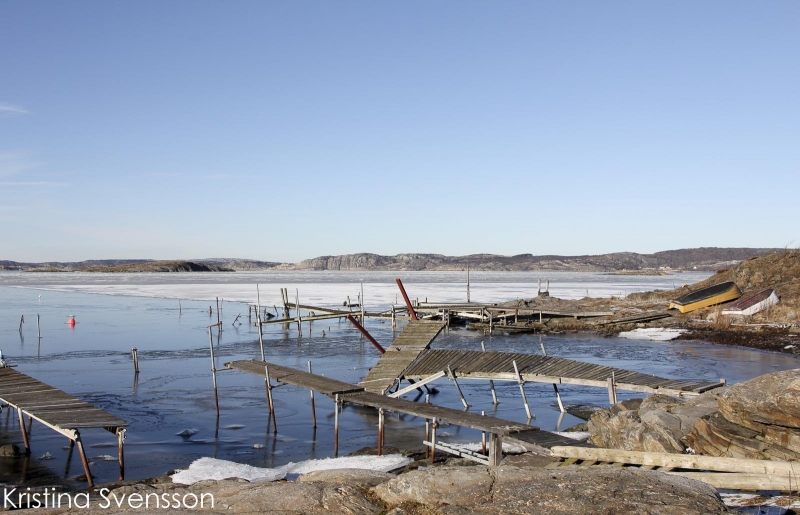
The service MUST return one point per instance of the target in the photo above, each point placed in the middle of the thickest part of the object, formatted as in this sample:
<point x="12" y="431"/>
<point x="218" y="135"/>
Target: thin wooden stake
<point x="180" y="309"/>
<point x="313" y="408"/>
<point x="491" y="383"/>
<point x="135" y="356"/>
<point x="219" y="322"/>
<point x="213" y="370"/>
<point x="522" y="390"/>
<point x="336" y="427"/>
<point x="297" y="312"/>
<point x="21" y="321"/>
<point x="269" y="397"/>
<point x="38" y="327"/>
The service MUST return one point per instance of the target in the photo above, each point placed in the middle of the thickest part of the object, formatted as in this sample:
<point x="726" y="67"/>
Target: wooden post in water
<point x="612" y="389"/>
<point x="491" y="383"/>
<point x="297" y="312"/>
<point x="361" y="303"/>
<point x="218" y="320"/>
<point x="121" y="452"/>
<point x="555" y="386"/>
<point x="213" y="370"/>
<point x="522" y="390"/>
<point x="467" y="283"/>
<point x="180" y="309"/>
<point x="313" y="408"/>
<point x="38" y="327"/>
<point x="336" y="427"/>
<point x="135" y="356"/>
<point x="22" y="321"/>
<point x="269" y="398"/>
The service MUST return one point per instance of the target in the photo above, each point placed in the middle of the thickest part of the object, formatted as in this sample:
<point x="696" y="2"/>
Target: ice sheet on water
<point x="653" y="333"/>
<point x="212" y="468"/>
<point x="575" y="435"/>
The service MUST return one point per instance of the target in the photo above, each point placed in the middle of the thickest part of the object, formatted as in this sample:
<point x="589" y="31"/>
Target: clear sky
<point x="287" y="130"/>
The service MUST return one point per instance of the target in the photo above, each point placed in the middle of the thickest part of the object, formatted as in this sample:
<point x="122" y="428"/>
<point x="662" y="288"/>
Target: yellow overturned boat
<point x="708" y="296"/>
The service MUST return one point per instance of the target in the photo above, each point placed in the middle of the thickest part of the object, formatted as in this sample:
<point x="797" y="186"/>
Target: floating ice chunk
<point x="105" y="457"/>
<point x="212" y="468"/>
<point x="46" y="456"/>
<point x="653" y="333"/>
<point x="186" y="433"/>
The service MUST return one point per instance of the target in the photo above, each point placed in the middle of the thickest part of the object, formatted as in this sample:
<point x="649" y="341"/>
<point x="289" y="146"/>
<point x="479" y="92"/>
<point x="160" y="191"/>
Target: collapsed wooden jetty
<point x="345" y="392"/>
<point x="60" y="412"/>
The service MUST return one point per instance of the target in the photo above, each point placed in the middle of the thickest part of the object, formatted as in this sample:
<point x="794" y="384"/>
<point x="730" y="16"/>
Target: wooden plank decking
<point x="57" y="410"/>
<point x="358" y="395"/>
<point x="406" y="348"/>
<point x="544" y="369"/>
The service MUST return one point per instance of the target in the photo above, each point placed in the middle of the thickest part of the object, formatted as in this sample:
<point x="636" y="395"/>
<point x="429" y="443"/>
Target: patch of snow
<point x="575" y="435"/>
<point x="653" y="333"/>
<point x="212" y="468"/>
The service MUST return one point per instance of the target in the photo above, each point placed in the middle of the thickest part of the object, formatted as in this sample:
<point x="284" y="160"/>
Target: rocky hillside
<point x="706" y="258"/>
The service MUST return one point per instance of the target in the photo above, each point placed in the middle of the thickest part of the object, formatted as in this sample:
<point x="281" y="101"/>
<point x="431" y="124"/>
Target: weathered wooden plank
<point x="683" y="461"/>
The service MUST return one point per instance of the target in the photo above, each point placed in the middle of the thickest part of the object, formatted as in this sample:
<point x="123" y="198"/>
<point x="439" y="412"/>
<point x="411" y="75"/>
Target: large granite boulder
<point x="572" y="490"/>
<point x="757" y="419"/>
<point x="656" y="424"/>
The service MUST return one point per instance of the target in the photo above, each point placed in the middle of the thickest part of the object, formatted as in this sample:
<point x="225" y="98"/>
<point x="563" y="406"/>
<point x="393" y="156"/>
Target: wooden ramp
<point x="406" y="348"/>
<point x="543" y="369"/>
<point x="346" y="392"/>
<point x="59" y="411"/>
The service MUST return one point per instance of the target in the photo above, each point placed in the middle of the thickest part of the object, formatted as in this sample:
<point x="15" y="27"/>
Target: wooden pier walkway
<point x="59" y="411"/>
<point x="499" y="366"/>
<point x="346" y="392"/>
<point x="404" y="350"/>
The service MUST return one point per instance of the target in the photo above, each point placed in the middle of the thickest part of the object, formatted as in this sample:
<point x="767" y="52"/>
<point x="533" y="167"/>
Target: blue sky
<point x="286" y="130"/>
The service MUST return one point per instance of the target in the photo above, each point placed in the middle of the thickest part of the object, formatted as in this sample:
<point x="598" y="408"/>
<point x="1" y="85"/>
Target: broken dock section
<point x="415" y="339"/>
<point x="346" y="392"/>
<point x="59" y="411"/>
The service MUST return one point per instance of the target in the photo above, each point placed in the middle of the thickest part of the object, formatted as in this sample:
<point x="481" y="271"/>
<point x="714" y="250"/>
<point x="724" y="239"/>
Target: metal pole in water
<point x="38" y="327"/>
<point x="269" y="396"/>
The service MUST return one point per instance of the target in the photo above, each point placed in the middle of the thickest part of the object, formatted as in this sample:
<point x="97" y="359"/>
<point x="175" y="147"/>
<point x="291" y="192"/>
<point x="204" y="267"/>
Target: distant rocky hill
<point x="704" y="258"/>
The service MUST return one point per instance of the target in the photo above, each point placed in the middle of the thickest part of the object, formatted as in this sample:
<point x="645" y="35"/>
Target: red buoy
<point x="71" y="321"/>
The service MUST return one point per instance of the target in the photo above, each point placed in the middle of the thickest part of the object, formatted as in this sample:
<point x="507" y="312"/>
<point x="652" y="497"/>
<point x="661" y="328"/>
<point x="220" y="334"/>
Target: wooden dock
<point x="404" y="350"/>
<point x="59" y="411"/>
<point x="346" y="392"/>
<point x="499" y="366"/>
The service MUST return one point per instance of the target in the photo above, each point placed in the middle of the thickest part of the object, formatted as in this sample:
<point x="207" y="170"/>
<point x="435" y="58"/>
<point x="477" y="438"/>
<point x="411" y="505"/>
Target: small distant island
<point x="142" y="267"/>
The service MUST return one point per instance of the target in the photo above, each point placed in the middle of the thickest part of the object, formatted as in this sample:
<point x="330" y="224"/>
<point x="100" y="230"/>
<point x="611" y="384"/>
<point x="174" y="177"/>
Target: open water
<point x="173" y="392"/>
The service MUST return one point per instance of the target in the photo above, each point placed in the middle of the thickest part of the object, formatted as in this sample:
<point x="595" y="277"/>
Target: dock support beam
<point x="491" y="383"/>
<point x="269" y="398"/>
<point x="434" y="426"/>
<point x="455" y="382"/>
<point x="522" y="391"/>
<point x="85" y="462"/>
<point x="24" y="433"/>
<point x="495" y="450"/>
<point x="213" y="371"/>
<point x="381" y="427"/>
